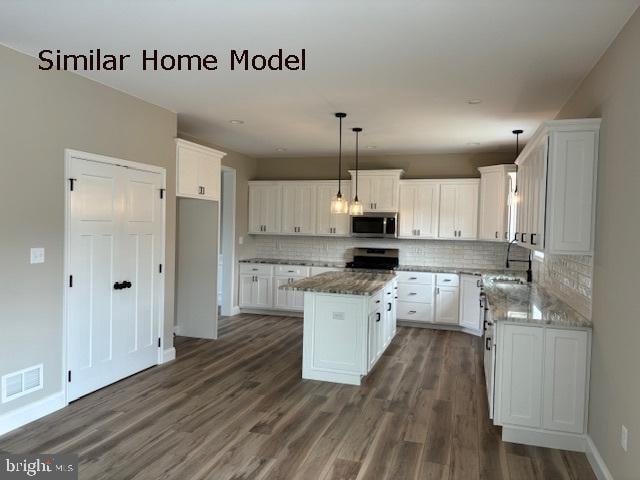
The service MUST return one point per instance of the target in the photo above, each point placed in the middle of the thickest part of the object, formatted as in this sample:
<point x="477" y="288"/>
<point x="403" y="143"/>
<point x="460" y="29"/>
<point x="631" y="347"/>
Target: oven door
<point x="376" y="226"/>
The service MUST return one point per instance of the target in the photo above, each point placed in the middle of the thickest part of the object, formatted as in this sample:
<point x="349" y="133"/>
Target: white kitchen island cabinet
<point x="349" y="321"/>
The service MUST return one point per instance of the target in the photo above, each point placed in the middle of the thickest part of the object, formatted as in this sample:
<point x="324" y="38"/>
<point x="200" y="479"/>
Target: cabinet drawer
<point x="376" y="301"/>
<point x="256" y="268"/>
<point x="415" y="293"/>
<point x="415" y="312"/>
<point x="420" y="278"/>
<point x="291" y="271"/>
<point x="447" y="280"/>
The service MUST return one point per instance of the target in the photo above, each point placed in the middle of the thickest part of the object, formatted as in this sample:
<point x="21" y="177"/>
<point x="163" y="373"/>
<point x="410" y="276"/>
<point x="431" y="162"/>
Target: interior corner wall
<point x="42" y="114"/>
<point x="612" y="91"/>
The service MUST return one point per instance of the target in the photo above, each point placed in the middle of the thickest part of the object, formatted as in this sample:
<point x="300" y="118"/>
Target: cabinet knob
<point x="532" y="239"/>
<point x="496" y="234"/>
<point x="378" y="317"/>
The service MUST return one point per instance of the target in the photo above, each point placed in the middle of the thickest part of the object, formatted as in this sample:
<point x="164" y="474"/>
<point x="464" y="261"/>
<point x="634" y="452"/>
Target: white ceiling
<point x="403" y="70"/>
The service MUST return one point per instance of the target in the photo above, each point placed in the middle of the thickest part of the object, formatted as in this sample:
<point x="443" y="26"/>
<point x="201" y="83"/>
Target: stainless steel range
<point x="375" y="258"/>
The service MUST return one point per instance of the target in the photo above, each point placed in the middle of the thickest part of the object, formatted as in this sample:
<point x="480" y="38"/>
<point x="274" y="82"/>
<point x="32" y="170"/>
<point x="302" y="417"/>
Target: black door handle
<point x="126" y="284"/>
<point x="118" y="286"/>
<point x="487" y="343"/>
<point x="389" y="307"/>
<point x="485" y="325"/>
<point x="378" y="319"/>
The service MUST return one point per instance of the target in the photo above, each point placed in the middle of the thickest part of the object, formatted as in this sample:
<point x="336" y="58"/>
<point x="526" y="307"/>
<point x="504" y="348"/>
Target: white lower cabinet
<point x="447" y="303"/>
<point x="470" y="311"/>
<point x="287" y="299"/>
<point x="345" y="335"/>
<point x="541" y="385"/>
<point x="255" y="291"/>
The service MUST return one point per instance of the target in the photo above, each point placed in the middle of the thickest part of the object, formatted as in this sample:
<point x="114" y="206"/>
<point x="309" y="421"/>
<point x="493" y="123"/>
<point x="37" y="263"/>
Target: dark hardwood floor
<point x="236" y="408"/>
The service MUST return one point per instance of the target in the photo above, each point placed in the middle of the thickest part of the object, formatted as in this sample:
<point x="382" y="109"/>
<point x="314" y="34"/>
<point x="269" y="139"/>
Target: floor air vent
<point x="17" y="384"/>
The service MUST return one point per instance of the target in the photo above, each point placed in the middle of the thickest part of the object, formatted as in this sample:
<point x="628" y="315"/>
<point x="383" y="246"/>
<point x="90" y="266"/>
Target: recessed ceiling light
<point x="281" y="149"/>
<point x="474" y="101"/>
<point x="473" y="144"/>
<point x="236" y="122"/>
<point x="371" y="147"/>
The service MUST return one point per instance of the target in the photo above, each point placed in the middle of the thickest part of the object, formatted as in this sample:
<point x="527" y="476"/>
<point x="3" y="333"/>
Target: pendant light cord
<point x="356" y="197"/>
<point x="340" y="159"/>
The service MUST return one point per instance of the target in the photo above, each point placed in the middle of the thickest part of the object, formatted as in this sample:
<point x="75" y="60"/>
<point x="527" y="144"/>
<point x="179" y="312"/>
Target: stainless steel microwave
<point x="375" y="225"/>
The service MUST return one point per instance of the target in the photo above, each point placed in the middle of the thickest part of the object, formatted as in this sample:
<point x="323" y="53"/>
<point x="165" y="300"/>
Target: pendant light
<point x="517" y="133"/>
<point x="355" y="208"/>
<point x="339" y="205"/>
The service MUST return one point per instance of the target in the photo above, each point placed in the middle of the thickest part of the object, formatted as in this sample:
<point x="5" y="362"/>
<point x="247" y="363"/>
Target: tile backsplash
<point x="569" y="277"/>
<point x="437" y="253"/>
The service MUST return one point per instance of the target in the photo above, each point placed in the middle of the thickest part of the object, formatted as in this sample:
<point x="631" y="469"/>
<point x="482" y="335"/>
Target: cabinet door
<point x="365" y="191"/>
<point x="264" y="208"/>
<point x="327" y="223"/>
<point x="298" y="208"/>
<point x="466" y="211"/>
<point x="470" y="302"/>
<point x="209" y="177"/>
<point x="447" y="299"/>
<point x="426" y="210"/>
<point x="187" y="172"/>
<point x="281" y="297"/>
<point x="261" y="294"/>
<point x="246" y="290"/>
<point x="407" y="210"/>
<point x="492" y="206"/>
<point x="447" y="220"/>
<point x="372" y="344"/>
<point x="385" y="193"/>
<point x="521" y="380"/>
<point x="565" y="380"/>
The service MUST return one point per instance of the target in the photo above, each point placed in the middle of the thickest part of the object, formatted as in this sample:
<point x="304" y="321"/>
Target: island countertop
<point x="530" y="304"/>
<point x="345" y="283"/>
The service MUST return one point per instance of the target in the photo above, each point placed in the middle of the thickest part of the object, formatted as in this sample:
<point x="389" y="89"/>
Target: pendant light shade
<point x="339" y="205"/>
<point x="356" y="209"/>
<point x="517" y="133"/>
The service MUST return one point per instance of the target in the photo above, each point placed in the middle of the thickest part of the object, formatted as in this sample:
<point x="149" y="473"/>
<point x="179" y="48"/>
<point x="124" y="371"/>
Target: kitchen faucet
<point x="529" y="272"/>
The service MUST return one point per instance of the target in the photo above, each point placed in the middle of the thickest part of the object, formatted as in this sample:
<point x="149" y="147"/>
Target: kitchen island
<point x="349" y="321"/>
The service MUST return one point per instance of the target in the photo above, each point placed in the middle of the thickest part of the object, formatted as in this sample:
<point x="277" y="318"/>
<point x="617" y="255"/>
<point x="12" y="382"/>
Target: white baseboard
<point x="597" y="463"/>
<point x="33" y="411"/>
<point x="235" y="311"/>
<point x="544" y="438"/>
<point x="436" y="326"/>
<point x="168" y="354"/>
<point x="278" y="313"/>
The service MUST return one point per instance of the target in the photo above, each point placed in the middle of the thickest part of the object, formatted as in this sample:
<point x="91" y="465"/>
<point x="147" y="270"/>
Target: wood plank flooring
<point x="236" y="408"/>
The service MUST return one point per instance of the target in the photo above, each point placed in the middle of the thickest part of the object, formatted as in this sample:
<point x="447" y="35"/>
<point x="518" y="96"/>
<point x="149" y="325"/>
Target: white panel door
<point x="280" y="297"/>
<point x="264" y="208"/>
<point x="384" y="191"/>
<point x="209" y="176"/>
<point x="261" y="295"/>
<point x="447" y="220"/>
<point x="521" y="382"/>
<point x="565" y="380"/>
<point x="466" y="216"/>
<point x="246" y="290"/>
<point x="492" y="205"/>
<point x="406" y="212"/>
<point x="298" y="208"/>
<point x="188" y="162"/>
<point x="470" y="302"/>
<point x="328" y="224"/>
<point x="447" y="299"/>
<point x="115" y="292"/>
<point x="365" y="192"/>
<point x="426" y="211"/>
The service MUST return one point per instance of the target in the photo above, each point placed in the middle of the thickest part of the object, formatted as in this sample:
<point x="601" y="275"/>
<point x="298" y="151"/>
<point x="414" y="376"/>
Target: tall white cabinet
<point x="495" y="217"/>
<point x="197" y="171"/>
<point x="556" y="183"/>
<point x="459" y="209"/>
<point x="265" y="207"/>
<point x="298" y="208"/>
<point x="419" y="206"/>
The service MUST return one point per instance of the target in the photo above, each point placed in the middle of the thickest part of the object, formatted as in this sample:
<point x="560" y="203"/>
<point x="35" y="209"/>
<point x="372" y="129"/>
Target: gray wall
<point x="415" y="166"/>
<point x="196" y="267"/>
<point x="612" y="91"/>
<point x="42" y="114"/>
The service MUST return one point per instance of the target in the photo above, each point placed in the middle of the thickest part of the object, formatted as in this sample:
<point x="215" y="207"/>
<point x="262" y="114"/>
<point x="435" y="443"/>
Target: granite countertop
<point x="304" y="263"/>
<point x="345" y="283"/>
<point x="530" y="304"/>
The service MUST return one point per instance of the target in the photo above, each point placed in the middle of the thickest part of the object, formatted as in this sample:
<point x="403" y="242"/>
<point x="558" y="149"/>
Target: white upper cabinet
<point x="197" y="171"/>
<point x="557" y="187"/>
<point x="418" y="208"/>
<point x="264" y="207"/>
<point x="378" y="190"/>
<point x="298" y="208"/>
<point x="327" y="223"/>
<point x="458" y="209"/>
<point x="495" y="203"/>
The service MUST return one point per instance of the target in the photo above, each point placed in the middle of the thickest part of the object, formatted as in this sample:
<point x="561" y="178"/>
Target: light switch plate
<point x="240" y="240"/>
<point x="37" y="255"/>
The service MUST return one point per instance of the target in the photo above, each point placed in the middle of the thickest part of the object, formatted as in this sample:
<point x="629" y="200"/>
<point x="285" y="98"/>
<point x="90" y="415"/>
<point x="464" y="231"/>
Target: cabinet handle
<point x="446" y="279"/>
<point x="487" y="343"/>
<point x="531" y="239"/>
<point x="411" y="312"/>
<point x="203" y="190"/>
<point x="478" y="283"/>
<point x="378" y="317"/>
<point x="496" y="234"/>
<point x="484" y="325"/>
<point x="522" y="235"/>
<point x="459" y="233"/>
<point x="377" y="301"/>
<point x="418" y="232"/>
<point x="515" y="236"/>
<point x="413" y="278"/>
<point x="412" y="293"/>
<point x="437" y="291"/>
<point x="388" y="307"/>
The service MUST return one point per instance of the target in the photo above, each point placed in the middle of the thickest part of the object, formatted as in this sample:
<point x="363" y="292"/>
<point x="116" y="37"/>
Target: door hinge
<point x="161" y="193"/>
<point x="159" y="342"/>
<point x="69" y="376"/>
<point x="160" y="268"/>
<point x="71" y="183"/>
<point x="70" y="281"/>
